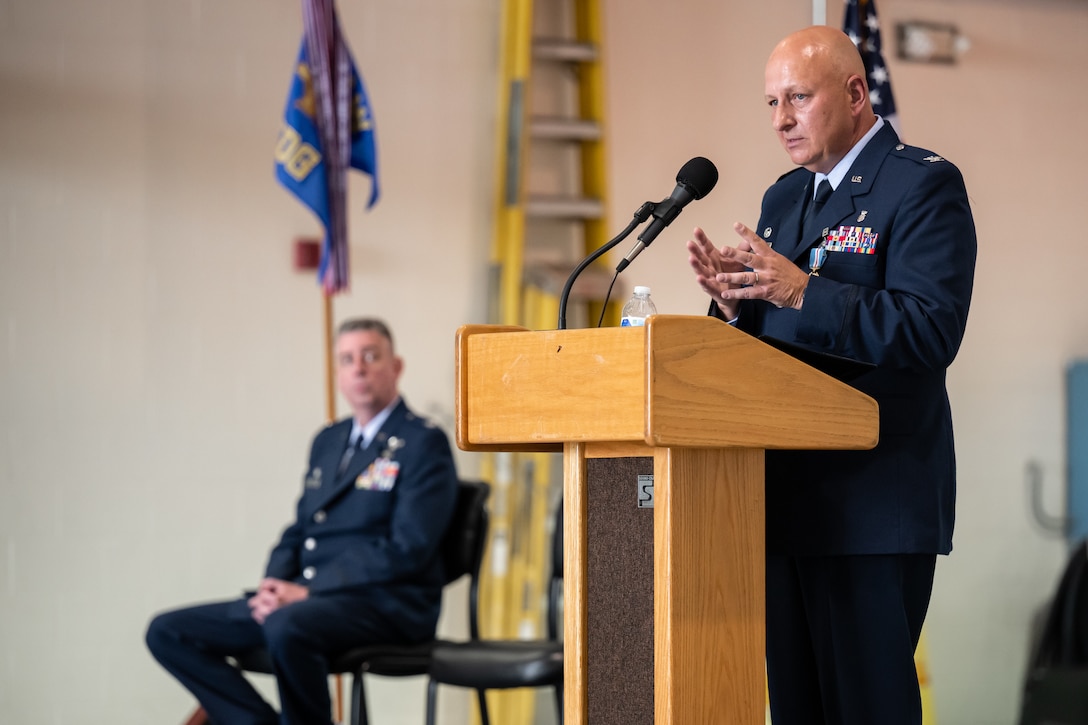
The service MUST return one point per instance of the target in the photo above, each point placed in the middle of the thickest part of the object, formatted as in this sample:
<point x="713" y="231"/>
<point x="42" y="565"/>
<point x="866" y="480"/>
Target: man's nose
<point x="781" y="119"/>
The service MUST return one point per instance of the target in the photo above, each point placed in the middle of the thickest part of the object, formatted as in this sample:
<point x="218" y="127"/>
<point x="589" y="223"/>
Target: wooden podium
<point x="663" y="606"/>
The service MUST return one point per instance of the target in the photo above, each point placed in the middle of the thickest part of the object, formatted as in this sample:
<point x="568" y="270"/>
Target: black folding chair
<point x="485" y="664"/>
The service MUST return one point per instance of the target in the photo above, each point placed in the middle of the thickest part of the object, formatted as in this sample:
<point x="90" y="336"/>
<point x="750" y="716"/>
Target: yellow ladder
<point x="550" y="213"/>
<point x="552" y="176"/>
<point x="921" y="663"/>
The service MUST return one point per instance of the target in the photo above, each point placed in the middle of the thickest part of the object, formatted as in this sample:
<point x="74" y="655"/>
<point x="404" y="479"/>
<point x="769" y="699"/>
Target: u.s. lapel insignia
<point x="856" y="178"/>
<point x="314" y="479"/>
<point x="864" y="213"/>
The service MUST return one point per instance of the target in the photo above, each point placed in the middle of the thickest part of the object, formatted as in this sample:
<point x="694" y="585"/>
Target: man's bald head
<point x="815" y="85"/>
<point x="821" y="44"/>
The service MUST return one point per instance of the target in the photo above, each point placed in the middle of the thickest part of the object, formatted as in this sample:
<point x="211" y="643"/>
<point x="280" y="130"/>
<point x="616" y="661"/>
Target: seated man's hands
<point x="273" y="594"/>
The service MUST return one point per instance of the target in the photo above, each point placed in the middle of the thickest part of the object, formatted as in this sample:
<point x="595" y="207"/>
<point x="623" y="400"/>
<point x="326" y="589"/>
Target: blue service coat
<point x="902" y="306"/>
<point x="375" y="528"/>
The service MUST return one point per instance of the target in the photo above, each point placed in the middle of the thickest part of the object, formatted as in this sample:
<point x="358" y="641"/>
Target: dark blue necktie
<point x="351" y="450"/>
<point x="823" y="191"/>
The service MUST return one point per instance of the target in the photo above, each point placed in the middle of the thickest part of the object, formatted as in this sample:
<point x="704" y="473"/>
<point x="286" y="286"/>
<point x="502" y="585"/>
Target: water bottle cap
<point x="642" y="291"/>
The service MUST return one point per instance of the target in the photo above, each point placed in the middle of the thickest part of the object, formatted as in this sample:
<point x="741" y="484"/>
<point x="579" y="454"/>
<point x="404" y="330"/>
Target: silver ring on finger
<point x="757" y="276"/>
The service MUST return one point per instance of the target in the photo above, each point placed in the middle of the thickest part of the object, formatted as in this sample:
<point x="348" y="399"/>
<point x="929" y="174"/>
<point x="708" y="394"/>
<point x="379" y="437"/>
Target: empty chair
<point x="504" y="664"/>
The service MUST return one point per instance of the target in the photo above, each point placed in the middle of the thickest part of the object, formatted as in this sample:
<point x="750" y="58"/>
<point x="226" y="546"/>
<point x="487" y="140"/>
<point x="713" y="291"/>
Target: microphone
<point x="695" y="180"/>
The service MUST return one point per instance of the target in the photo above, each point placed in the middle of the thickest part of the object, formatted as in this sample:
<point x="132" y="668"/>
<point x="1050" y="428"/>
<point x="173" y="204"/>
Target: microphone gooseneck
<point x="695" y="180"/>
<point x="641" y="215"/>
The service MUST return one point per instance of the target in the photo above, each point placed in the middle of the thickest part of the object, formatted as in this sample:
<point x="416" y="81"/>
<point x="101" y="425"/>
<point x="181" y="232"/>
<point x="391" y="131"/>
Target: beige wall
<point x="160" y="364"/>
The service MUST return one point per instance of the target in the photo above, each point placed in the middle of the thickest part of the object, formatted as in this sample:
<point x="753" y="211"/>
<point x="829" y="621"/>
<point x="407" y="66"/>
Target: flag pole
<point x="330" y="372"/>
<point x="328" y="128"/>
<point x="330" y="416"/>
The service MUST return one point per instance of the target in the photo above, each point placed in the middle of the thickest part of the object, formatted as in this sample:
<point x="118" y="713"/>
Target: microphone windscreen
<point x="699" y="175"/>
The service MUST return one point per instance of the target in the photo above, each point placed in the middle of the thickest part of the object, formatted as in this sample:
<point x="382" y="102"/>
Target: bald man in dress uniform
<point x="866" y="251"/>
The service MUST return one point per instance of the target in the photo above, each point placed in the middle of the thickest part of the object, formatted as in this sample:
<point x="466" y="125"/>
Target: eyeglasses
<point x="368" y="356"/>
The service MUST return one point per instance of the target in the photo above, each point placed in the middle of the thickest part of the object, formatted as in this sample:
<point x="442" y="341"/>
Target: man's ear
<point x="857" y="91"/>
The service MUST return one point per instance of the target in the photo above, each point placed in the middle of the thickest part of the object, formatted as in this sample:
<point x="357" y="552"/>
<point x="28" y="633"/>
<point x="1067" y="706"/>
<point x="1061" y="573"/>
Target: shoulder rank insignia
<point x="933" y="159"/>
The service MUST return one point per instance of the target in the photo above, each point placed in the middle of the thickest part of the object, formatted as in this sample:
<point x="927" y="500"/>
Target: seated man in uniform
<point x="359" y="565"/>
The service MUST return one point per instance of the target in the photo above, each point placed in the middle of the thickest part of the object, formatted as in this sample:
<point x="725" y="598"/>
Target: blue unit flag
<point x="327" y="128"/>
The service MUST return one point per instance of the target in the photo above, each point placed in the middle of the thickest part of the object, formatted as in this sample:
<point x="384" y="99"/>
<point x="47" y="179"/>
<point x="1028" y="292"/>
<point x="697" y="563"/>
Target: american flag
<point x="861" y="24"/>
<point x="327" y="129"/>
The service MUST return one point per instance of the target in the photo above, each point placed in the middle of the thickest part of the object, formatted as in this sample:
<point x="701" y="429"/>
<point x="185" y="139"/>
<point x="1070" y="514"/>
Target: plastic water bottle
<point x="638" y="308"/>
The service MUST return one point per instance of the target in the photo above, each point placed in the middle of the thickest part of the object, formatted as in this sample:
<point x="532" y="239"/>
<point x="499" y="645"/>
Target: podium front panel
<point x="620" y="594"/>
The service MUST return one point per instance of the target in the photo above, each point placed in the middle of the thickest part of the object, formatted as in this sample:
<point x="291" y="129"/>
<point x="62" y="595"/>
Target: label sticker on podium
<point x="646" y="491"/>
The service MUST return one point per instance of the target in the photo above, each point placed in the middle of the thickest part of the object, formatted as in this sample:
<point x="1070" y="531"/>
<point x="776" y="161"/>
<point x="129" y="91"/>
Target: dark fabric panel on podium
<point x="620" y="594"/>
